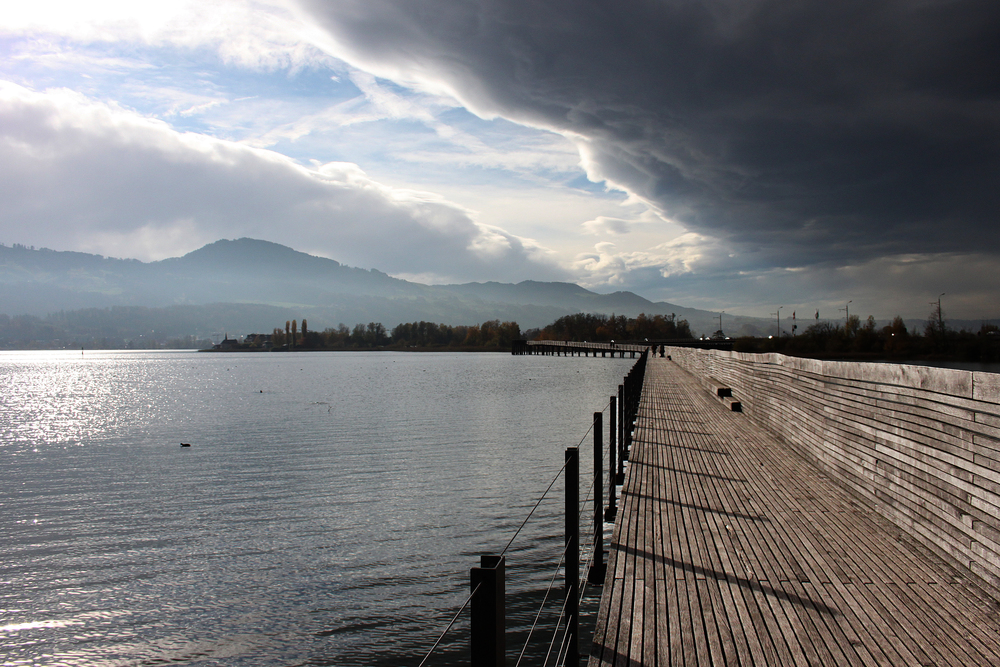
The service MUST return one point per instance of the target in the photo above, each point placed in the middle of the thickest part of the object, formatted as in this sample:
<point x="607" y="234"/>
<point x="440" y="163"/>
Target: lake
<point x="327" y="512"/>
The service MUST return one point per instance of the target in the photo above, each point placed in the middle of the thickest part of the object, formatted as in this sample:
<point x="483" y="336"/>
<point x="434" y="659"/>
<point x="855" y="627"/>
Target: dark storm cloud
<point x="802" y="131"/>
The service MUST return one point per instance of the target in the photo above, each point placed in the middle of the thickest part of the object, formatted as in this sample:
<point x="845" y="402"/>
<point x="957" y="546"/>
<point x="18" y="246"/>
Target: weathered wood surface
<point x="919" y="445"/>
<point x="731" y="549"/>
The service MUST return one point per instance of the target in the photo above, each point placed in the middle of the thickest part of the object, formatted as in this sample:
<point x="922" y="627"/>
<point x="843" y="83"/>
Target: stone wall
<point x="919" y="445"/>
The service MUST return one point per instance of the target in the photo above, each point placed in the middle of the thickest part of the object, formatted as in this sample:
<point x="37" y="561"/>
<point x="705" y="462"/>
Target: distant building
<point x="228" y="344"/>
<point x="261" y="341"/>
<point x="250" y="342"/>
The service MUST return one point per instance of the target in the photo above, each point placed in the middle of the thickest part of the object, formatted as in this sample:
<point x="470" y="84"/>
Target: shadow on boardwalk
<point x="731" y="549"/>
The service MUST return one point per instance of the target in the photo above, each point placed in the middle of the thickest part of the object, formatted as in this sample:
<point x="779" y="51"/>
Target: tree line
<point x="603" y="328"/>
<point x="489" y="335"/>
<point x="857" y="339"/>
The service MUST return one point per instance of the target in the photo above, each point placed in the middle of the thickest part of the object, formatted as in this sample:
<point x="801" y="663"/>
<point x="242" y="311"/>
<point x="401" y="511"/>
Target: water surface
<point x="327" y="512"/>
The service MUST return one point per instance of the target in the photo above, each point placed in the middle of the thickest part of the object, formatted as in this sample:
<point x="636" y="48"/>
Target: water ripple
<point x="331" y="519"/>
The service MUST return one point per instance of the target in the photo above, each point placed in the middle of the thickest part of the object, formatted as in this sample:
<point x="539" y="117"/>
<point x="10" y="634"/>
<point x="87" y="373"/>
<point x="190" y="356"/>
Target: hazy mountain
<point x="249" y="272"/>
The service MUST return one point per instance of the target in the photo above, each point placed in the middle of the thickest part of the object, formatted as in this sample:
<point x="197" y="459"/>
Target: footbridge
<point x="633" y="349"/>
<point x="847" y="515"/>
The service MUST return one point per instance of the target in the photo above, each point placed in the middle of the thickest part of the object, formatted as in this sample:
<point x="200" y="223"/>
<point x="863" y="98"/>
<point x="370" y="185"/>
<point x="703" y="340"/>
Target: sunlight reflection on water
<point x="327" y="512"/>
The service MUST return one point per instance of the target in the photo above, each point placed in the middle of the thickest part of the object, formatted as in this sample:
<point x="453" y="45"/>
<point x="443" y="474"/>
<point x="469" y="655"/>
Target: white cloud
<point x="83" y="174"/>
<point x="603" y="224"/>
<point x="684" y="255"/>
<point x="263" y="34"/>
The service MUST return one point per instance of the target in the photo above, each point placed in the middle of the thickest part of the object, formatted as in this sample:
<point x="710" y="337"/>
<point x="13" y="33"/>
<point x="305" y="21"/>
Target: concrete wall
<point x="919" y="445"/>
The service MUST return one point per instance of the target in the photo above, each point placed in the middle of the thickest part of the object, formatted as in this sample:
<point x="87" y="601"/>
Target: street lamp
<point x="940" y="316"/>
<point x="778" y="316"/>
<point x="847" y="314"/>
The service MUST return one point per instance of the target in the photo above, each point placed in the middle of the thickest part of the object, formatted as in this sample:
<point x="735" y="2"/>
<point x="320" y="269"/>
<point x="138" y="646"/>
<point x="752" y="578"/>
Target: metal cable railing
<point x="450" y="625"/>
<point x="555" y="633"/>
<point x="541" y="607"/>
<point x="590" y="552"/>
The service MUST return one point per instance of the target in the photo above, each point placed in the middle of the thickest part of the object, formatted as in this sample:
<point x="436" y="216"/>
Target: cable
<point x="547" y="489"/>
<point x="563" y="649"/>
<point x="540" y="499"/>
<point x="586" y="499"/>
<point x="562" y="615"/>
<point x="457" y="614"/>
<point x="545" y="599"/>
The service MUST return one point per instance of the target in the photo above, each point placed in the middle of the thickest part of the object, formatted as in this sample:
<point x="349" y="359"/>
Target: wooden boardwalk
<point x="731" y="550"/>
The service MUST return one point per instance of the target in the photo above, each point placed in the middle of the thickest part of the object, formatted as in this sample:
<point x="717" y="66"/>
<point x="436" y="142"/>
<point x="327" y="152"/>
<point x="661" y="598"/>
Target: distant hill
<point x="257" y="274"/>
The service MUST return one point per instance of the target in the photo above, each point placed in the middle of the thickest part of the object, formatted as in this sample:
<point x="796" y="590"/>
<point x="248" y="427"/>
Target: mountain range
<point x="248" y="285"/>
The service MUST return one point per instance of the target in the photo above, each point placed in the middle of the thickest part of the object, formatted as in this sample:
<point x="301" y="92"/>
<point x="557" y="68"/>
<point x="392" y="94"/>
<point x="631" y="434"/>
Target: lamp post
<point x="778" y="316"/>
<point x="939" y="314"/>
<point x="847" y="314"/>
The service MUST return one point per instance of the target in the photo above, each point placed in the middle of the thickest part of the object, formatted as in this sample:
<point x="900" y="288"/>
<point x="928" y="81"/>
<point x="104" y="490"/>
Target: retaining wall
<point x="919" y="445"/>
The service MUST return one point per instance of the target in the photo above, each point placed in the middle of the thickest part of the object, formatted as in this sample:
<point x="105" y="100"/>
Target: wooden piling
<point x="488" y="622"/>
<point x="595" y="576"/>
<point x="572" y="541"/>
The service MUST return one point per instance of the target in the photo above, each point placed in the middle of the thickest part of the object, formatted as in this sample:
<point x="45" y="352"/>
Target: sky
<point x="736" y="155"/>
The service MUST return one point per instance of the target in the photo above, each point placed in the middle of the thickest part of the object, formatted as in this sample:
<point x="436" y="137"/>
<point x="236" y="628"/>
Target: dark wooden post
<point x="612" y="511"/>
<point x="622" y="454"/>
<point x="595" y="576"/>
<point x="572" y="556"/>
<point x="488" y="616"/>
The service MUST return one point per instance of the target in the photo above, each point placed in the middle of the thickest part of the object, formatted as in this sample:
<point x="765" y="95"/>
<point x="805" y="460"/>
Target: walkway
<point x="731" y="550"/>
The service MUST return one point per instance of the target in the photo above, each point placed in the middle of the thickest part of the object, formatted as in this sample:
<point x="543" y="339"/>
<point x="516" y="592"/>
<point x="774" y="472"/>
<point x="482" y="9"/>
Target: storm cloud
<point x="803" y="133"/>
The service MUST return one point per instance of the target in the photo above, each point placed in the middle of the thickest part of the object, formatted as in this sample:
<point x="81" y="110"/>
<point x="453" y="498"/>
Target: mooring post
<point x="595" y="576"/>
<point x="488" y="616"/>
<point x="612" y="511"/>
<point x="572" y="556"/>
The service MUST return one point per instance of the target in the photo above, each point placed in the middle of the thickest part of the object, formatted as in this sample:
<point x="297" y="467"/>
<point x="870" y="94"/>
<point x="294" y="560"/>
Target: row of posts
<point x="488" y="581"/>
<point x="521" y="347"/>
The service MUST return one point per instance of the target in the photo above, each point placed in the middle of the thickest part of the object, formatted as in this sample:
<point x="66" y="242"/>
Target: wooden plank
<point x="733" y="548"/>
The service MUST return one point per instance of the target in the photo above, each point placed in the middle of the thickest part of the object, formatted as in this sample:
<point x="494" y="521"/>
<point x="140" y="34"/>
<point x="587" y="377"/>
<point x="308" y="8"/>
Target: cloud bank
<point x="802" y="134"/>
<point x="755" y="152"/>
<point x="117" y="183"/>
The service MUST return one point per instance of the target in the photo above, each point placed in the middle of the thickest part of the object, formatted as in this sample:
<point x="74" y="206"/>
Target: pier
<point x="560" y="348"/>
<point x="569" y="348"/>
<point x="847" y="516"/>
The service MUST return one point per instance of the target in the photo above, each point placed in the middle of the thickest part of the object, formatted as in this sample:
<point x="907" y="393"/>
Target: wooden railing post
<point x="622" y="453"/>
<point x="572" y="556"/>
<point x="488" y="615"/>
<point x="595" y="576"/>
<point x="612" y="511"/>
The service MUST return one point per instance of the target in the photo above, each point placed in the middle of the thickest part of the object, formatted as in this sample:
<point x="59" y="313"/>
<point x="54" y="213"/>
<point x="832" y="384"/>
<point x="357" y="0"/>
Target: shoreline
<point x="364" y="349"/>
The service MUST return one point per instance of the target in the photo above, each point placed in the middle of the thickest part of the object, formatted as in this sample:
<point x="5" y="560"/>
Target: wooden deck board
<point x="730" y="549"/>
